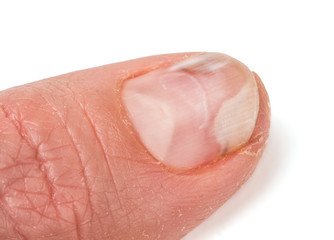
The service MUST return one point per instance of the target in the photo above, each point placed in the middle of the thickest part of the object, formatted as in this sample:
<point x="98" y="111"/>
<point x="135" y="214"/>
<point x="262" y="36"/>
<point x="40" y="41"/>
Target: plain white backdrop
<point x="288" y="43"/>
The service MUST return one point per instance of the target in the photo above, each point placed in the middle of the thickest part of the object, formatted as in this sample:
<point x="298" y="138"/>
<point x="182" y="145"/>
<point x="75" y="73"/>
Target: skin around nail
<point x="74" y="166"/>
<point x="193" y="112"/>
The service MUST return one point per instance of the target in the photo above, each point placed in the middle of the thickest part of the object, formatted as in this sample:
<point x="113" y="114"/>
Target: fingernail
<point x="195" y="111"/>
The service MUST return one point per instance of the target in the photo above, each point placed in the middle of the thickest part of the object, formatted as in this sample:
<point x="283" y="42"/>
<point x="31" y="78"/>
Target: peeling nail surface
<point x="189" y="114"/>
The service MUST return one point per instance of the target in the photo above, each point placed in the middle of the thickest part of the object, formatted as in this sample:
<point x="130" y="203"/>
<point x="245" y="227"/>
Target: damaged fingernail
<point x="194" y="111"/>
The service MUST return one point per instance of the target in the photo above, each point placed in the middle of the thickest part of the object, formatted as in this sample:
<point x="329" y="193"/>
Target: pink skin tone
<point x="71" y="166"/>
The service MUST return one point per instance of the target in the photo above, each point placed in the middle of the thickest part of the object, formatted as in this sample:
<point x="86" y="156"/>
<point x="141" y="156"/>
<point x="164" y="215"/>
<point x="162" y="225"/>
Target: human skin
<point x="71" y="166"/>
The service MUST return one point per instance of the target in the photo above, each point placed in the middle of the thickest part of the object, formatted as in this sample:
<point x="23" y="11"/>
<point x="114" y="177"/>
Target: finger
<point x="78" y="160"/>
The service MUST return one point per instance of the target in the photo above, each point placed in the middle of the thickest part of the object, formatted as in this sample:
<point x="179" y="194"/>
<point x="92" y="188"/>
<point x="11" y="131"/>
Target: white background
<point x="288" y="43"/>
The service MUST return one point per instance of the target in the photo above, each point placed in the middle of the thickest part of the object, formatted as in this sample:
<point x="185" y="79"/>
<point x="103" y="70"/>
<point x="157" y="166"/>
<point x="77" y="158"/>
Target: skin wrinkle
<point x="102" y="147"/>
<point x="89" y="191"/>
<point x="125" y="212"/>
<point x="117" y="193"/>
<point x="106" y="159"/>
<point x="77" y="224"/>
<point x="37" y="157"/>
<point x="49" y="182"/>
<point x="2" y="201"/>
<point x="11" y="219"/>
